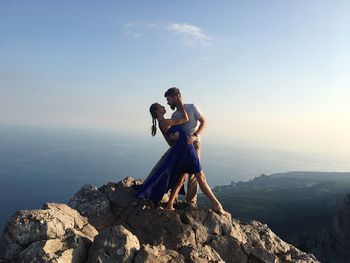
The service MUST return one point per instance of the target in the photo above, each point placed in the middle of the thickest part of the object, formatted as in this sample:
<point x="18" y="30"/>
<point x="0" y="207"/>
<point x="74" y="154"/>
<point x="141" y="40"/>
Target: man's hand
<point x="191" y="139"/>
<point x="174" y="136"/>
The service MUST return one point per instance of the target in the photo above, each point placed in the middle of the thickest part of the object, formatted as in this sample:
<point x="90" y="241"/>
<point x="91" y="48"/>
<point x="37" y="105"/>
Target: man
<point x="193" y="129"/>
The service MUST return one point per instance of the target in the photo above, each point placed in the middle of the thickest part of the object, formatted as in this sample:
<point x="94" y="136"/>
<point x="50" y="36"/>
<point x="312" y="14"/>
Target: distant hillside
<point x="298" y="206"/>
<point x="290" y="180"/>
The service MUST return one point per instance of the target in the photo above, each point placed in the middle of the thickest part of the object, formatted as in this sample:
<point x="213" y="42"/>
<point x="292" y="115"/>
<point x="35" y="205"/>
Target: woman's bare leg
<point x="175" y="192"/>
<point x="202" y="181"/>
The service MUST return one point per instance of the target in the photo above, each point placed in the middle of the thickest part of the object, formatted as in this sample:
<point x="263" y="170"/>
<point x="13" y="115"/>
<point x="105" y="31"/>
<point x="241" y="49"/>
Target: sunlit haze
<point x="264" y="73"/>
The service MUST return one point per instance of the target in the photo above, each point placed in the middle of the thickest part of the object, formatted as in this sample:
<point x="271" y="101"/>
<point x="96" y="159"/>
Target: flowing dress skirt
<point x="179" y="159"/>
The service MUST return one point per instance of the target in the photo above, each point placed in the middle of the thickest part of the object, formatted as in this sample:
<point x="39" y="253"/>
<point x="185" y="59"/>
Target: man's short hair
<point x="172" y="92"/>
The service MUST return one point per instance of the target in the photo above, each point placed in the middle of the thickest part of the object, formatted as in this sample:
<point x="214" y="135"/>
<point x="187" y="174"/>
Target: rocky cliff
<point x="333" y="244"/>
<point x="108" y="224"/>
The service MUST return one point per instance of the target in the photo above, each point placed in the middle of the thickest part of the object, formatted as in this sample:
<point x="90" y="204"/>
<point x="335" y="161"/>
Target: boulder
<point x="95" y="205"/>
<point x="73" y="247"/>
<point x="159" y="254"/>
<point x="115" y="244"/>
<point x="201" y="254"/>
<point x="55" y="231"/>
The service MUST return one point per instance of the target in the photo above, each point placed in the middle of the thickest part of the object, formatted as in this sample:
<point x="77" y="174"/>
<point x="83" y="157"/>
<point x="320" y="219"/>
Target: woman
<point x="181" y="158"/>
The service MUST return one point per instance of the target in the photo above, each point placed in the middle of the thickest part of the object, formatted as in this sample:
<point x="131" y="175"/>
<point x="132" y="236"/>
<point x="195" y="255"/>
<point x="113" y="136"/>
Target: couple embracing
<point x="181" y="133"/>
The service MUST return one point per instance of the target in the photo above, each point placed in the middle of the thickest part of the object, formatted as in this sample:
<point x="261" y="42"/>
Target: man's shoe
<point x="191" y="204"/>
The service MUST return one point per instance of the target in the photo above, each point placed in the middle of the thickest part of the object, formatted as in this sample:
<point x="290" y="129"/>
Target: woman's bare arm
<point x="170" y="122"/>
<point x="167" y="123"/>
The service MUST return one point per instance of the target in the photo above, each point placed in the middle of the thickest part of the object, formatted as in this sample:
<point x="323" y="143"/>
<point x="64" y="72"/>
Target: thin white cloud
<point x="132" y="33"/>
<point x="190" y="35"/>
<point x="130" y="24"/>
<point x="131" y="29"/>
<point x="140" y="25"/>
<point x="136" y="30"/>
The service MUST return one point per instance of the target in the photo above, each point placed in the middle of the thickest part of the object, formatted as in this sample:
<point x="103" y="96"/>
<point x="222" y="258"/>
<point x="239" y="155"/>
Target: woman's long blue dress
<point x="179" y="159"/>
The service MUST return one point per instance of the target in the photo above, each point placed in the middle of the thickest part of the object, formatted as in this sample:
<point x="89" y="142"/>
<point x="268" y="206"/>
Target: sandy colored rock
<point x="134" y="230"/>
<point x="47" y="233"/>
<point x="159" y="254"/>
<point x="72" y="248"/>
<point x="93" y="204"/>
<point x="115" y="244"/>
<point x="201" y="254"/>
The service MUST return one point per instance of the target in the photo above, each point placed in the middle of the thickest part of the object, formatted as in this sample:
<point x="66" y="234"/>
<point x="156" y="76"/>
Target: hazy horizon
<point x="225" y="162"/>
<point x="49" y="164"/>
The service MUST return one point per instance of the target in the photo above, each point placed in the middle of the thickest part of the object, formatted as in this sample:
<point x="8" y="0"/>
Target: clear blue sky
<point x="264" y="72"/>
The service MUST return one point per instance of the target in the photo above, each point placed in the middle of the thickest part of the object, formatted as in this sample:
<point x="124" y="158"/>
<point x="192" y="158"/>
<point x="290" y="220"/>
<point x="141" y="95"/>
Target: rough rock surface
<point x="133" y="230"/>
<point x="114" y="244"/>
<point x="334" y="243"/>
<point x="159" y="254"/>
<point x="56" y="233"/>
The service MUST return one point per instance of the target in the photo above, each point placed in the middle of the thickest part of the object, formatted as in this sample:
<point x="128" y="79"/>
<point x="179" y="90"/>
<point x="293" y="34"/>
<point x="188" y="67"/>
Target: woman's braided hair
<point x="152" y="110"/>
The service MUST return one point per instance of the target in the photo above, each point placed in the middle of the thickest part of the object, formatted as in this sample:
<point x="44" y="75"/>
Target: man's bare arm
<point x="202" y="125"/>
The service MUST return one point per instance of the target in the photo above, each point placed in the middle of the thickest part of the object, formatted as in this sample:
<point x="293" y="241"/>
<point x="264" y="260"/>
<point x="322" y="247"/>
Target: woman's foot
<point x="170" y="207"/>
<point x="220" y="210"/>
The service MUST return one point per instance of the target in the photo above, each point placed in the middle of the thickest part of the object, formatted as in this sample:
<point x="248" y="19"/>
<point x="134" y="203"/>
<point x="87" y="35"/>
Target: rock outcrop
<point x="56" y="233"/>
<point x="114" y="244"/>
<point x="133" y="230"/>
<point x="333" y="245"/>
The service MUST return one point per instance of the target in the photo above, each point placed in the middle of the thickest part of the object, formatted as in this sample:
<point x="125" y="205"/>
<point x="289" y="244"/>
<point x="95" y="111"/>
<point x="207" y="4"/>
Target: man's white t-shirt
<point x="194" y="114"/>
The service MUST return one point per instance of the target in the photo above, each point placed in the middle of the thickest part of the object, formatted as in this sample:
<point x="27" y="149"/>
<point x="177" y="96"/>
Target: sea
<point x="40" y="164"/>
